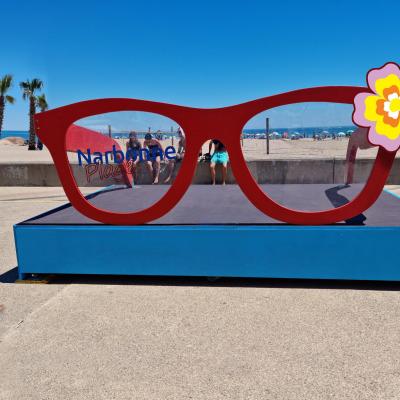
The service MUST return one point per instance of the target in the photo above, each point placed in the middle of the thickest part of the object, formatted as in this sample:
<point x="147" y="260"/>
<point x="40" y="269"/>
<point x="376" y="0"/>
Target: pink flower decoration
<point x="380" y="111"/>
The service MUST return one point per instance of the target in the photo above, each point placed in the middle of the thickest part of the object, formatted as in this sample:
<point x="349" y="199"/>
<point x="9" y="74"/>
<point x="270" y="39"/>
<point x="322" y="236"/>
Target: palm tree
<point x="43" y="106"/>
<point x="5" y="85"/>
<point x="29" y="89"/>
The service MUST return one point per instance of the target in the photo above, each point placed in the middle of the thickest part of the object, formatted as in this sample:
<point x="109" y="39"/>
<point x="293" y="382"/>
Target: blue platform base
<point x="243" y="243"/>
<point x="327" y="252"/>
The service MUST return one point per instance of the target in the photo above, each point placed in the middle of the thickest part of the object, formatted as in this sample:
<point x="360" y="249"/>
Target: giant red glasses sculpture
<point x="377" y="108"/>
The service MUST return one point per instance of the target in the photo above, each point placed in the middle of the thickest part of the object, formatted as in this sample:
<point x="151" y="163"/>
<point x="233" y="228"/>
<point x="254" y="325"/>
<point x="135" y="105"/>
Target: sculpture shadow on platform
<point x="339" y="200"/>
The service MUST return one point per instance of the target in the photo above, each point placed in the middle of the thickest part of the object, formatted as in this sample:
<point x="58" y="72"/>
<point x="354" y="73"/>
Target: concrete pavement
<point x="187" y="339"/>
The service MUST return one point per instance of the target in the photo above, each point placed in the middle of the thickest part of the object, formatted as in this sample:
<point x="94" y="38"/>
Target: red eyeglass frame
<point x="199" y="126"/>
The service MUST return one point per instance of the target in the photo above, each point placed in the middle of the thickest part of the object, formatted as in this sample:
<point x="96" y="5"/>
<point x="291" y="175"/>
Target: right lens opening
<point x="308" y="156"/>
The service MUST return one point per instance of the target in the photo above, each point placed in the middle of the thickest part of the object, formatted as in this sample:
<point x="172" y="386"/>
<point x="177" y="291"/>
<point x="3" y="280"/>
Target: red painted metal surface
<point x="80" y="138"/>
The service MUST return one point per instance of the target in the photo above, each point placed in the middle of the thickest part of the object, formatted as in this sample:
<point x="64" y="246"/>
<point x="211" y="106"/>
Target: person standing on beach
<point x="220" y="156"/>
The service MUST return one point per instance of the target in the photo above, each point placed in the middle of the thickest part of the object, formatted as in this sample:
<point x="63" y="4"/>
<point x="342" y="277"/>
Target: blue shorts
<point x="220" y="157"/>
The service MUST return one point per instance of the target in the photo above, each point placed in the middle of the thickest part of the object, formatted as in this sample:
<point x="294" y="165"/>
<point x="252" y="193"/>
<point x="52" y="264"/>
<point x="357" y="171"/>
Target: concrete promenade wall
<point x="266" y="171"/>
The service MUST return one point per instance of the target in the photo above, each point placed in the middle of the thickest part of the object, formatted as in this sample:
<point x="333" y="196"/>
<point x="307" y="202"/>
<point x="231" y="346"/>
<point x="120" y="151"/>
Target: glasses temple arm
<point x="358" y="140"/>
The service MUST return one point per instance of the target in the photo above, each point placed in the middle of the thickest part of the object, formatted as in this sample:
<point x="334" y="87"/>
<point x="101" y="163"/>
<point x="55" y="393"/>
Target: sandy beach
<point x="253" y="149"/>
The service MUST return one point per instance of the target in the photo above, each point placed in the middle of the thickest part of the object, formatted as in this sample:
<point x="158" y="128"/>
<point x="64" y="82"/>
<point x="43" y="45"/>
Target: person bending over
<point x="155" y="150"/>
<point x="220" y="156"/>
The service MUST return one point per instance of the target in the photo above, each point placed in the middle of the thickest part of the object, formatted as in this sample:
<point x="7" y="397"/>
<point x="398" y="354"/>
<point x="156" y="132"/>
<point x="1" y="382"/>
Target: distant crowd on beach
<point x="294" y="135"/>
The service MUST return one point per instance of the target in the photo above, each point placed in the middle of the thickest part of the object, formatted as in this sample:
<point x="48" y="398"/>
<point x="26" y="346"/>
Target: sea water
<point x="308" y="132"/>
<point x="22" y="134"/>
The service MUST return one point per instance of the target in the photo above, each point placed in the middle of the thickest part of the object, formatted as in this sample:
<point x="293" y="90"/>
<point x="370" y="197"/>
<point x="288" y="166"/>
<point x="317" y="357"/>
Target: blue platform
<point x="62" y="241"/>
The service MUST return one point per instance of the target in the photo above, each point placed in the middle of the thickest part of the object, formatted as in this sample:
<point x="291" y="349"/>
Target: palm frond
<point x="29" y="87"/>
<point x="25" y="88"/>
<point x="36" y="84"/>
<point x="5" y="84"/>
<point x="42" y="102"/>
<point x="10" y="99"/>
<point x="24" y="84"/>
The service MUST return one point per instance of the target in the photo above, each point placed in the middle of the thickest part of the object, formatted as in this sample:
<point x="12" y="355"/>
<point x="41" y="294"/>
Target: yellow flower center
<point x="395" y="105"/>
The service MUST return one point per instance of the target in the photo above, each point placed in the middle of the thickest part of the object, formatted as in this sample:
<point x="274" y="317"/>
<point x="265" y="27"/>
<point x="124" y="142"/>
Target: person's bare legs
<point x="157" y="164"/>
<point x="132" y="171"/>
<point x="135" y="170"/>
<point x="149" y="166"/>
<point x="224" y="173"/>
<point x="212" y="171"/>
<point x="171" y="165"/>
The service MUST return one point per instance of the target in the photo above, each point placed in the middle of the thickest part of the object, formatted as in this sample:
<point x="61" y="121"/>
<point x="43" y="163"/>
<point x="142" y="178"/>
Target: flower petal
<point x="359" y="110"/>
<point x="386" y="106"/>
<point x="388" y="127"/>
<point x="387" y="85"/>
<point x="381" y="140"/>
<point x="379" y="73"/>
<point x="371" y="108"/>
<point x="393" y="96"/>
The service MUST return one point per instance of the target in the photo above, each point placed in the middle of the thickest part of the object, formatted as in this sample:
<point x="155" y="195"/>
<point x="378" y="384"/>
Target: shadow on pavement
<point x="12" y="275"/>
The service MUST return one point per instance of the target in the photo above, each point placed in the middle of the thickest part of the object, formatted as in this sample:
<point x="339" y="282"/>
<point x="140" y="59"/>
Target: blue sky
<point x="292" y="116"/>
<point x="205" y="54"/>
